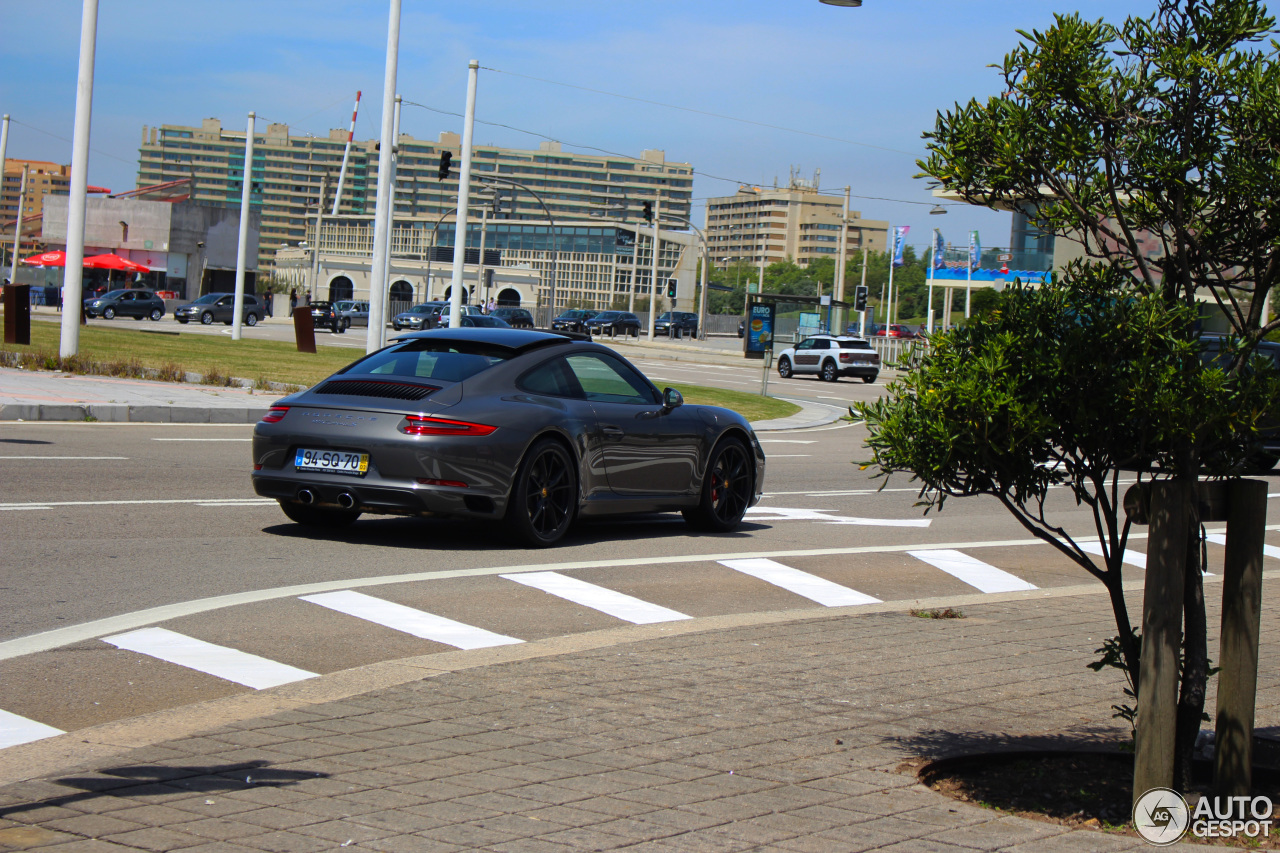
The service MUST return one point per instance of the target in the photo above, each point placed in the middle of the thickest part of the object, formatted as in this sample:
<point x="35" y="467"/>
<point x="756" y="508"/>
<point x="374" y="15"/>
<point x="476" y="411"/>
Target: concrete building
<point x="191" y="248"/>
<point x="291" y="173"/>
<point x="796" y="223"/>
<point x="594" y="266"/>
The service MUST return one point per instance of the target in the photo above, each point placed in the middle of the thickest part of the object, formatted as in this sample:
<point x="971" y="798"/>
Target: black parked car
<point x="127" y="303"/>
<point x="614" y="323"/>
<point x="685" y="321"/>
<point x="220" y="307"/>
<point x="574" y="320"/>
<point x="516" y="318"/>
<point x="528" y="429"/>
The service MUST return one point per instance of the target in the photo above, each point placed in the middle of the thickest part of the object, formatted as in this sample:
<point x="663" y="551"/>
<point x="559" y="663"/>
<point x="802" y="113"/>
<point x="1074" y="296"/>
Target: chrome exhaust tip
<point x="306" y="496"/>
<point x="346" y="500"/>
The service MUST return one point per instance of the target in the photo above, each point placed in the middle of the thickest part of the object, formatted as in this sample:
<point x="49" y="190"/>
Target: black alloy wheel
<point x="829" y="373"/>
<point x="251" y="319"/>
<point x="545" y="495"/>
<point x="156" y="314"/>
<point x="869" y="379"/>
<point x="108" y="313"/>
<point x="206" y="319"/>
<point x="318" y="516"/>
<point x="784" y="367"/>
<point x="726" y="489"/>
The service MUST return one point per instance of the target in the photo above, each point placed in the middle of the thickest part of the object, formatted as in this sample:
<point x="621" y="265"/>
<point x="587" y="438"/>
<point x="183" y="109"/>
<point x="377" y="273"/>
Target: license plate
<point x="332" y="461"/>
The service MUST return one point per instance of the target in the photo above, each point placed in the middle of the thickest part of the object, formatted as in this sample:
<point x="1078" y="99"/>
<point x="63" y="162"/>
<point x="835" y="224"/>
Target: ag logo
<point x="1161" y="816"/>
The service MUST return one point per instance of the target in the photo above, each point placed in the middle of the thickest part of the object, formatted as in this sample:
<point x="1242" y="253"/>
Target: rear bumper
<point x="374" y="498"/>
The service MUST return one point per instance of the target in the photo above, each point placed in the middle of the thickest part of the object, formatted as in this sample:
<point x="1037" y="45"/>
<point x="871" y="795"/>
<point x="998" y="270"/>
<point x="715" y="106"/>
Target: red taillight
<point x="275" y="414"/>
<point x="457" y="484"/>
<point x="423" y="425"/>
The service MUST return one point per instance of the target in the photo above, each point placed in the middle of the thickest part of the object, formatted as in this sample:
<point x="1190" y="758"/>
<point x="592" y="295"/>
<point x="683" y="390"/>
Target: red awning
<point x="111" y="261"/>
<point x="47" y="259"/>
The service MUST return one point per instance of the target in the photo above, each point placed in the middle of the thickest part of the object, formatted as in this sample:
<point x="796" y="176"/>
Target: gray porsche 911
<point x="531" y="429"/>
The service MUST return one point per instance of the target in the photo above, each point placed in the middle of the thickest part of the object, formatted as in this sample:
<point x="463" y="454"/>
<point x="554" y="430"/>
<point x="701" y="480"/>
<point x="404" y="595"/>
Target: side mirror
<point x="671" y="399"/>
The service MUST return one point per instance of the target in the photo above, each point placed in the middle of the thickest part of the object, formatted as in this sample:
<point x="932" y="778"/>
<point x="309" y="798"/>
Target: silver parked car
<point x="526" y="428"/>
<point x="345" y="313"/>
<point x="219" y="307"/>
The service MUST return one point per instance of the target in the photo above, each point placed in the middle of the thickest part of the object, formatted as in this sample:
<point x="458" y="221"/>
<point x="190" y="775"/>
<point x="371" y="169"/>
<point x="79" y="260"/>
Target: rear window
<point x="854" y="345"/>
<point x="446" y="361"/>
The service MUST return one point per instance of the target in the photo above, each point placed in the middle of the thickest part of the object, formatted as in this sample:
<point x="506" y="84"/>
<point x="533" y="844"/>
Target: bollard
<point x="17" y="314"/>
<point x="304" y="331"/>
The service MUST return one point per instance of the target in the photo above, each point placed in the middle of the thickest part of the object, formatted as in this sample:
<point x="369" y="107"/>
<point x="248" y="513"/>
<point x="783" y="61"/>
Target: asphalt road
<point x="103" y="523"/>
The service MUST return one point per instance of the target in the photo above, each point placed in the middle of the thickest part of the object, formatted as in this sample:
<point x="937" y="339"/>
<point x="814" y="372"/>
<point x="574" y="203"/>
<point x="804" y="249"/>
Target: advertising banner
<point x="759" y="334"/>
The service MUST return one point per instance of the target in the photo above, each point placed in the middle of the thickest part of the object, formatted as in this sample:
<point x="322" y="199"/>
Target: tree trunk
<point x="1195" y="660"/>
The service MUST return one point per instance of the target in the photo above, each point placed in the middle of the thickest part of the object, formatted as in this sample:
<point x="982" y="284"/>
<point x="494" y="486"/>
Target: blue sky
<point x="844" y="91"/>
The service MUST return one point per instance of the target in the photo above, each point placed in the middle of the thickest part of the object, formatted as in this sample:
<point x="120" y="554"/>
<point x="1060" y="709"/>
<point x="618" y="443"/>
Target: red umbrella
<point x="111" y="261"/>
<point x="47" y="259"/>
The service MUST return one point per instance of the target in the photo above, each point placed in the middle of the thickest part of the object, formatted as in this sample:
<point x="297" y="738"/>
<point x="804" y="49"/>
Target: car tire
<point x="155" y="315"/>
<point x="1260" y="463"/>
<point x="870" y="379"/>
<point x="395" y="327"/>
<point x="137" y="317"/>
<point x="182" y="320"/>
<point x="829" y="372"/>
<point x="727" y="485"/>
<point x="784" y="367"/>
<point x="108" y="313"/>
<point x="206" y="319"/>
<point x="544" y="497"/>
<point x="318" y="516"/>
<point x="346" y="323"/>
<point x="251" y="319"/>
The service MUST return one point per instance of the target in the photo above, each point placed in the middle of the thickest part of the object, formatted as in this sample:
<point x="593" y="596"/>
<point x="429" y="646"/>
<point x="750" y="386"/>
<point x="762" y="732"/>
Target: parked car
<point x="895" y="330"/>
<point x="685" y="321"/>
<point x="220" y="307"/>
<point x="614" y="323"/>
<point x="484" y="321"/>
<point x="345" y="313"/>
<point x="133" y="303"/>
<point x="830" y="357"/>
<point x="416" y="317"/>
<point x="319" y="309"/>
<point x="574" y="320"/>
<point x="1266" y="453"/>
<point x="516" y="318"/>
<point x="528" y="429"/>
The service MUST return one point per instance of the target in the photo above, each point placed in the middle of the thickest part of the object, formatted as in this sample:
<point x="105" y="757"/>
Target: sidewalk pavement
<point x="788" y="731"/>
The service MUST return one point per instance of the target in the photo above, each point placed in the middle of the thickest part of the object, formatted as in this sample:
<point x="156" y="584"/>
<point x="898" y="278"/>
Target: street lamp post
<point x="555" y="243"/>
<point x="706" y="260"/>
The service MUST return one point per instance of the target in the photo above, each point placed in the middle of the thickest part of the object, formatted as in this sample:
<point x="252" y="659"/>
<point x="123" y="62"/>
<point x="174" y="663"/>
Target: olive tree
<point x="1155" y="145"/>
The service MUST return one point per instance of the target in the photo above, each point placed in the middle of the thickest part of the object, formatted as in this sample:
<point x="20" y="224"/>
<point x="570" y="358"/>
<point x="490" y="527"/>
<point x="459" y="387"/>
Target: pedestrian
<point x="266" y="303"/>
<point x="308" y="297"/>
<point x="488" y="309"/>
<point x="293" y="300"/>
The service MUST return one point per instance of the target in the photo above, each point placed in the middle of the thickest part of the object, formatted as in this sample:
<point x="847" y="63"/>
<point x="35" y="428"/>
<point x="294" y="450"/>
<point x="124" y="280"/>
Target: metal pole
<point x="74" y="273"/>
<point x="635" y="250"/>
<point x="464" y="199"/>
<point x="4" y="148"/>
<point x="242" y="248"/>
<point x="657" y="242"/>
<point x="382" y="212"/>
<point x="17" y="226"/>
<point x="315" y="248"/>
<point x="391" y="218"/>
<point x="838" y="285"/>
<point x="346" y="153"/>
<point x="480" y="288"/>
<point x="862" y="315"/>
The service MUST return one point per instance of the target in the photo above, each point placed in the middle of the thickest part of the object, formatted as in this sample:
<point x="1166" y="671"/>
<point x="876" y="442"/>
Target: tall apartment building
<point x="289" y="172"/>
<point x="797" y="222"/>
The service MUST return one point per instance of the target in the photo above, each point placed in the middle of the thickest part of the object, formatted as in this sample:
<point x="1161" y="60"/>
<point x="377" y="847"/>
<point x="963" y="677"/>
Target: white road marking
<point x="220" y="661"/>
<point x="66" y="457"/>
<point x="419" y="623"/>
<point x="790" y="455"/>
<point x="773" y="513"/>
<point x="202" y="439"/>
<point x="15" y="730"/>
<point x="977" y="574"/>
<point x="812" y="587"/>
<point x="197" y="501"/>
<point x="616" y="604"/>
<point x="786" y="441"/>
<point x="1133" y="558"/>
<point x="1267" y="550"/>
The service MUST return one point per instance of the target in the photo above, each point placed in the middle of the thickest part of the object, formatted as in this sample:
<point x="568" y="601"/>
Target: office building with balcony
<point x="290" y="174"/>
<point x="796" y="223"/>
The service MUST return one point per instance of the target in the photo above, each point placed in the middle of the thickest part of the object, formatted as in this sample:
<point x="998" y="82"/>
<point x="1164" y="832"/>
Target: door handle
<point x="612" y="431"/>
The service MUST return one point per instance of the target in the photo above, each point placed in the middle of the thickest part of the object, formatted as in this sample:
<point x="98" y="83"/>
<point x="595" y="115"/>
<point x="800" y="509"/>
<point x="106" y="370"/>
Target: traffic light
<point x="446" y="160"/>
<point x="648" y="211"/>
<point x="671" y="288"/>
<point x="860" y="298"/>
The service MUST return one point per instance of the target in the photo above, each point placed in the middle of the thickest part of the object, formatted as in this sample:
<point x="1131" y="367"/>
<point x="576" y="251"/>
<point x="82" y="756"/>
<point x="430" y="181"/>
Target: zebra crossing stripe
<point x="977" y="574"/>
<point x="220" y="661"/>
<point x="419" y="623"/>
<point x="1133" y="558"/>
<point x="1267" y="550"/>
<point x="812" y="587"/>
<point x="15" y="730"/>
<point x="615" y="604"/>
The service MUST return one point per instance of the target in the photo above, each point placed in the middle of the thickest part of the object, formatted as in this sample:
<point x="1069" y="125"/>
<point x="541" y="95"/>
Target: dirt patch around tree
<point x="1079" y="789"/>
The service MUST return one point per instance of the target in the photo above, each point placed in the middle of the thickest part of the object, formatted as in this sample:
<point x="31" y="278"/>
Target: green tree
<point x="1153" y="143"/>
